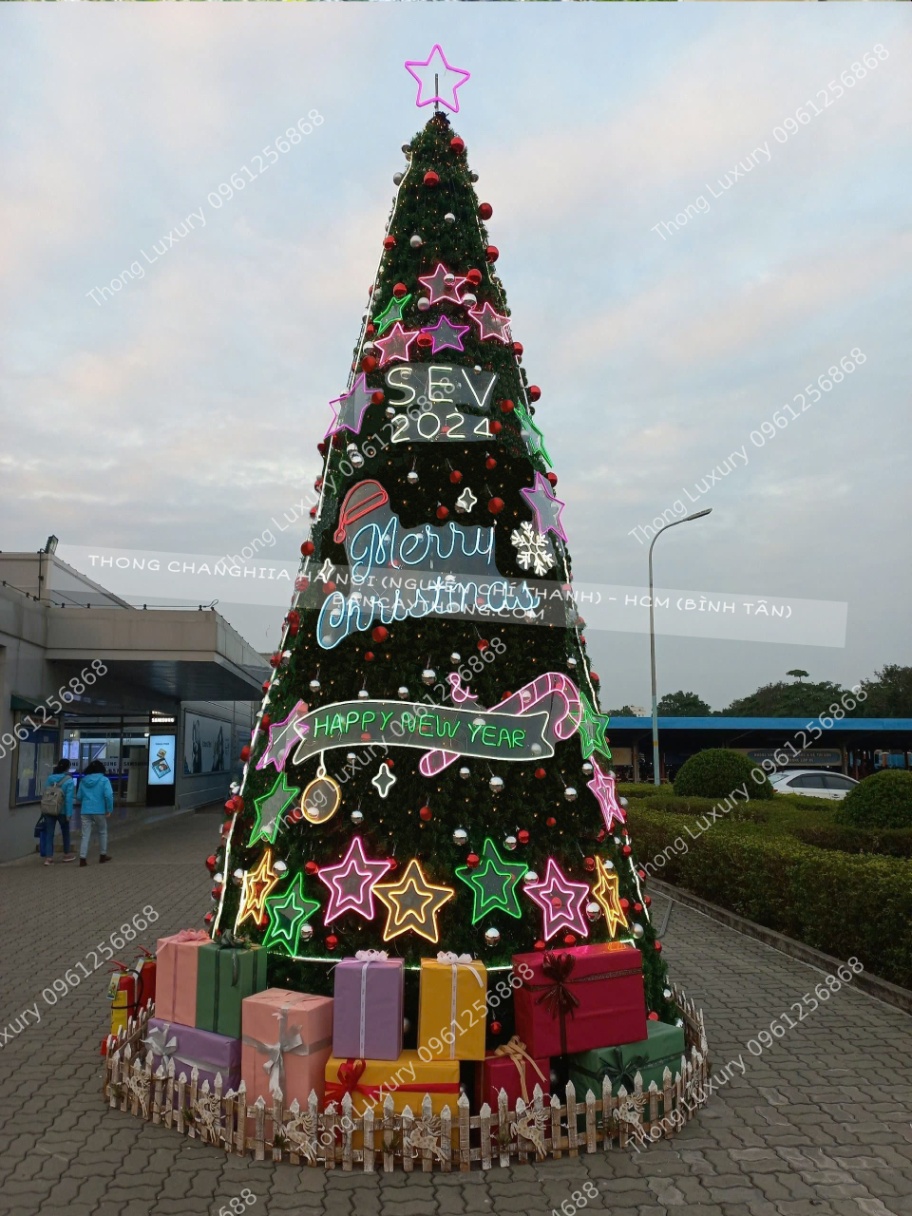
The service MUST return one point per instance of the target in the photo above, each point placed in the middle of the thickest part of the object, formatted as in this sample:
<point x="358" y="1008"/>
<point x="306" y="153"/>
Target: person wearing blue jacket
<point x="95" y="798"/>
<point x="60" y="776"/>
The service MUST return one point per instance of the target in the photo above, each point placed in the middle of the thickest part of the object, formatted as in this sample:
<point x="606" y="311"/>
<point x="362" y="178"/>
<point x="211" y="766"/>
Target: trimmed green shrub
<point x="883" y="800"/>
<point x="717" y="772"/>
<point x="891" y="842"/>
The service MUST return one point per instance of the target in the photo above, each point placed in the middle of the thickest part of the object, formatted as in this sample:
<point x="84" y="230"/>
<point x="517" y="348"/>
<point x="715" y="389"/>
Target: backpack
<point x="53" y="799"/>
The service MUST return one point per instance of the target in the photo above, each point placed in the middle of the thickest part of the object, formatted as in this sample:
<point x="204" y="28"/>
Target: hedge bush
<point x="836" y="902"/>
<point x="716" y="772"/>
<point x="883" y="800"/>
<point x="891" y="842"/>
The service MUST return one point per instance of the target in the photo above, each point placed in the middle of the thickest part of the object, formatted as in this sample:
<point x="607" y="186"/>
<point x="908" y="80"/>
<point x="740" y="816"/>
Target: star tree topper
<point x="412" y="903"/>
<point x="437" y="79"/>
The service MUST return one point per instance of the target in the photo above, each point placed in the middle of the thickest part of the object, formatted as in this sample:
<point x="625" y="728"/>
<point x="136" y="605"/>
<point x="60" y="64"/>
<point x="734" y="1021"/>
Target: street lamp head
<point x="697" y="515"/>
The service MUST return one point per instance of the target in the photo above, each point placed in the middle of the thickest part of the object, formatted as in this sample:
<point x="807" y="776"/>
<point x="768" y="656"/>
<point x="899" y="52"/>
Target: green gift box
<point x="225" y="975"/>
<point x="649" y="1057"/>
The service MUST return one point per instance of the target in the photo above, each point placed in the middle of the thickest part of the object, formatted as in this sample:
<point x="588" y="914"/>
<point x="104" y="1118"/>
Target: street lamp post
<point x="652" y="643"/>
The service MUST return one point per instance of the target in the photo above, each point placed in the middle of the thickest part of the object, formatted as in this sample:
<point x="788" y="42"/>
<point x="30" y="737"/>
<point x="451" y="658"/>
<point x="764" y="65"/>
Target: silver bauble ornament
<point x="587" y="769"/>
<point x="307" y="932"/>
<point x="492" y="937"/>
<point x="496" y="785"/>
<point x="218" y="877"/>
<point x="570" y="793"/>
<point x="406" y="1026"/>
<point x="536" y="749"/>
<point x="622" y="801"/>
<point x="449" y="279"/>
<point x="477" y="368"/>
<point x="397" y="179"/>
<point x="530" y="876"/>
<point x="510" y="843"/>
<point x="402" y="693"/>
<point x="593" y="910"/>
<point x="428" y="676"/>
<point x="612" y="774"/>
<point x="455" y="658"/>
<point x="357" y="818"/>
<point x="679" y="1022"/>
<point x="357" y="460"/>
<point x="469" y="298"/>
<point x="667" y="994"/>
<point x="238" y="875"/>
<point x="363" y="694"/>
<point x="424" y="303"/>
<point x="280" y="867"/>
<point x="350" y="757"/>
<point x="390" y="412"/>
<point x="407" y="149"/>
<point x="415" y="241"/>
<point x="460" y="836"/>
<point x="449" y="218"/>
<point x="638" y="931"/>
<point x="554" y="1079"/>
<point x="314" y="685"/>
<point x="609" y="865"/>
<point x="234" y="787"/>
<point x="473" y="177"/>
<point x="465" y="773"/>
<point x="411" y="477"/>
<point x="368" y="348"/>
<point x="571" y="663"/>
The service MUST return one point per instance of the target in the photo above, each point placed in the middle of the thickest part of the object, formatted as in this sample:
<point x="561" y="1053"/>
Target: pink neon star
<point x="439" y="288"/>
<point x="438" y="80"/>
<point x="561" y="901"/>
<point x="351" y="883"/>
<point x="445" y="334"/>
<point x="282" y="738"/>
<point x="396" y="344"/>
<point x="490" y="323"/>
<point x="602" y="785"/>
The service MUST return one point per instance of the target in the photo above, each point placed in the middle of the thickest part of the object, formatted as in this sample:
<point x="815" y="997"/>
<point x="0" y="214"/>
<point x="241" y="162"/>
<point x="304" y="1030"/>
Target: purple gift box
<point x="367" y="1010"/>
<point x="190" y="1048"/>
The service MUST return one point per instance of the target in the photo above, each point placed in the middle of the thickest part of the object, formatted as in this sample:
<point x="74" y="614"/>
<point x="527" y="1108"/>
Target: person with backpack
<point x="95" y="798"/>
<point x="57" y="807"/>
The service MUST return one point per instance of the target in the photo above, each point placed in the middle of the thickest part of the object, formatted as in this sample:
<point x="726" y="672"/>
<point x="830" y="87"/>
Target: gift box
<point x="177" y="957"/>
<point x="577" y="999"/>
<point x="406" y="1080"/>
<point x="451" y="1007"/>
<point x="285" y="1043"/>
<point x="191" y="1048"/>
<point x="662" y="1048"/>
<point x="512" y="1069"/>
<point x="367" y="1013"/>
<point x="227" y="973"/>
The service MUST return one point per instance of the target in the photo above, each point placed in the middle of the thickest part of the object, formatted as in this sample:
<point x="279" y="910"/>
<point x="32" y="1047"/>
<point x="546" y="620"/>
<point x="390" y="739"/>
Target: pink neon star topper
<point x="396" y="344"/>
<point x="351" y="883"/>
<point x="438" y="287"/>
<point x="490" y="323"/>
<point x="437" y="80"/>
<point x="602" y="785"/>
<point x="561" y="901"/>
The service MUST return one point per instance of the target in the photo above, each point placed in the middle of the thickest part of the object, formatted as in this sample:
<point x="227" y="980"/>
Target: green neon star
<point x="592" y="730"/>
<point x="493" y="883"/>
<point x="287" y="913"/>
<point x="392" y="313"/>
<point x="270" y="808"/>
<point x="535" y="439"/>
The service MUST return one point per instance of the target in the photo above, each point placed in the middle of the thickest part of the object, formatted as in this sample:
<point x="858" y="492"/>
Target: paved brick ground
<point x="819" y="1124"/>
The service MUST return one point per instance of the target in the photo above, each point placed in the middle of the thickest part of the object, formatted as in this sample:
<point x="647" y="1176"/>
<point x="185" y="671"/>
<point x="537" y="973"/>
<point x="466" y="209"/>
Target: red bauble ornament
<point x="425" y="341"/>
<point x="368" y="656"/>
<point x="550" y="822"/>
<point x="534" y="392"/>
<point x="482" y="643"/>
<point x="365" y="736"/>
<point x="245" y="753"/>
<point x="313" y="512"/>
<point x="518" y="349"/>
<point x="496" y="426"/>
<point x="596" y="678"/>
<point x="265" y="722"/>
<point x="495" y="505"/>
<point x="311" y="867"/>
<point x="485" y="210"/>
<point x="380" y="633"/>
<point x="426" y="814"/>
<point x="474" y="276"/>
<point x="209" y="918"/>
<point x="472" y="860"/>
<point x="495" y="1028"/>
<point x="307" y="548"/>
<point x="625" y="904"/>
<point x="638" y="907"/>
<point x="431" y="178"/>
<point x="658" y="946"/>
<point x="492" y="253"/>
<point x="653" y="1016"/>
<point x="522" y="836"/>
<point x="331" y="942"/>
<point x="589" y="863"/>
<point x="211" y="863"/>
<point x="507" y="406"/>
<point x="276" y="660"/>
<point x="540" y="773"/>
<point x="370" y="329"/>
<point x="442" y="512"/>
<point x="321" y="448"/>
<point x="216" y="892"/>
<point x="552" y="477"/>
<point x="377" y="397"/>
<point x="490" y="463"/>
<point x="389" y="242"/>
<point x="368" y="363"/>
<point x="400" y="290"/>
<point x="600" y="835"/>
<point x="457" y="144"/>
<point x="393" y="865"/>
<point x="641" y="875"/>
<point x="569" y="939"/>
<point x="556" y="903"/>
<point x="329" y="587"/>
<point x="626" y="850"/>
<point x="455" y="477"/>
<point x="647" y="900"/>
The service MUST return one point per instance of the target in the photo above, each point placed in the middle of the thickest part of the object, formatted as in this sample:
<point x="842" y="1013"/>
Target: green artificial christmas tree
<point x="430" y="770"/>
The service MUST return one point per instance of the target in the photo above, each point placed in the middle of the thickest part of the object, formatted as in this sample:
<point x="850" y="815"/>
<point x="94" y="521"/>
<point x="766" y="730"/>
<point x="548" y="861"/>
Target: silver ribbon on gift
<point x="370" y="955"/>
<point x="286" y="1044"/>
<point x="455" y="961"/>
<point x="158" y="1041"/>
<point x="365" y="958"/>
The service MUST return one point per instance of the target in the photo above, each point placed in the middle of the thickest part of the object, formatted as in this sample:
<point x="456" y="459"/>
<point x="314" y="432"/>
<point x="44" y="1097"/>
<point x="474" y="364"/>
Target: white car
<point x="813" y="782"/>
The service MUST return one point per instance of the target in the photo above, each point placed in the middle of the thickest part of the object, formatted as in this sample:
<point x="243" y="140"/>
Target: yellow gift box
<point x="451" y="1009"/>
<point x="405" y="1080"/>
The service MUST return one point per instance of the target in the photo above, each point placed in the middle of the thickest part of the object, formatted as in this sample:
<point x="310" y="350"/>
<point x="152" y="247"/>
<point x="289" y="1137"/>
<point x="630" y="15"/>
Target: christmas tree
<point x="430" y="769"/>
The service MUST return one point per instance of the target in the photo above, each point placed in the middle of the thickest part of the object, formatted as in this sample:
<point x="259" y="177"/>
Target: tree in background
<point x="684" y="705"/>
<point x="889" y="693"/>
<point x="783" y="700"/>
<point x="799" y="673"/>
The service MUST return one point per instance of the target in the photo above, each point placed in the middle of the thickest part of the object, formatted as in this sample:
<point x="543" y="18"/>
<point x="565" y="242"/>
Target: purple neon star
<point x="282" y="738"/>
<point x="396" y="345"/>
<point x="445" y="334"/>
<point x="547" y="508"/>
<point x="561" y="901"/>
<point x="490" y="323"/>
<point x="348" y="410"/>
<point x="602" y="785"/>
<point x="438" y="80"/>
<point x="439" y="288"/>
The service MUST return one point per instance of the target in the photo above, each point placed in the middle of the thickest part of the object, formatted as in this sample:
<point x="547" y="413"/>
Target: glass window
<point x="836" y="781"/>
<point x="808" y="781"/>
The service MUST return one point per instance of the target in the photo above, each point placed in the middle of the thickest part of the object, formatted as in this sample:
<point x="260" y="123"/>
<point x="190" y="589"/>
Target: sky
<point x="679" y="266"/>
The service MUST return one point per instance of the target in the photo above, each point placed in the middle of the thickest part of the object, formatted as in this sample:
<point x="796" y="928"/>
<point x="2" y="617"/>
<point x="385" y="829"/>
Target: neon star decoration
<point x="392" y="312"/>
<point x="592" y="730"/>
<point x="466" y="500"/>
<point x="562" y="902"/>
<point x="396" y="346"/>
<point x="445" y="334"/>
<point x="287" y="914"/>
<point x="532" y="435"/>
<point x="270" y="808"/>
<point x="602" y="785"/>
<point x="438" y="287"/>
<point x="351" y="883"/>
<point x="283" y="736"/>
<point x="437" y="80"/>
<point x="490" y="323"/>
<point x="412" y="904"/>
<point x="547" y="508"/>
<point x="493" y="882"/>
<point x="384" y="780"/>
<point x="605" y="893"/>
<point x="348" y="410"/>
<point x="258" y="883"/>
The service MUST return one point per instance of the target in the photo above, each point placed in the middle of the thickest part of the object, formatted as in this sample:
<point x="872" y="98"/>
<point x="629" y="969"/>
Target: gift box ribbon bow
<point x="371" y="956"/>
<point x="515" y="1050"/>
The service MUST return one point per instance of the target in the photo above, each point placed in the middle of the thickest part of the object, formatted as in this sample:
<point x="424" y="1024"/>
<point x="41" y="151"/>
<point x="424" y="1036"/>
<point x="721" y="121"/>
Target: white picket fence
<point x="335" y="1138"/>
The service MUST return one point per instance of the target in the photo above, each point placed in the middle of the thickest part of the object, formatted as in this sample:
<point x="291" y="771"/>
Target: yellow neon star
<point x="605" y="892"/>
<point x="412" y="903"/>
<point x="258" y="883"/>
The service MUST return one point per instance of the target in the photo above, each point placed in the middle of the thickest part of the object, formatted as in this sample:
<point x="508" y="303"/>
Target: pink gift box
<point x="175" y="987"/>
<point x="286" y="1039"/>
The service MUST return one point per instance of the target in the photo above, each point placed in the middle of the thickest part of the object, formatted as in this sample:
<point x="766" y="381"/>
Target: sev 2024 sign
<point x="432" y="394"/>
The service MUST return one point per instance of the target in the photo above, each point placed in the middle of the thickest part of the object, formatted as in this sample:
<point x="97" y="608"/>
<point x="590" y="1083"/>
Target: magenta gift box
<point x="190" y="1048"/>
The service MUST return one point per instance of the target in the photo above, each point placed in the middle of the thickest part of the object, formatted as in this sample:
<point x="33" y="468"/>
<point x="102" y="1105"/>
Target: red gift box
<point x="512" y="1069"/>
<point x="577" y="999"/>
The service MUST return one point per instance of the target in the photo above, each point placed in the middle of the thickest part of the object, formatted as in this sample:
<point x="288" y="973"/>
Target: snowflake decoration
<point x="533" y="549"/>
